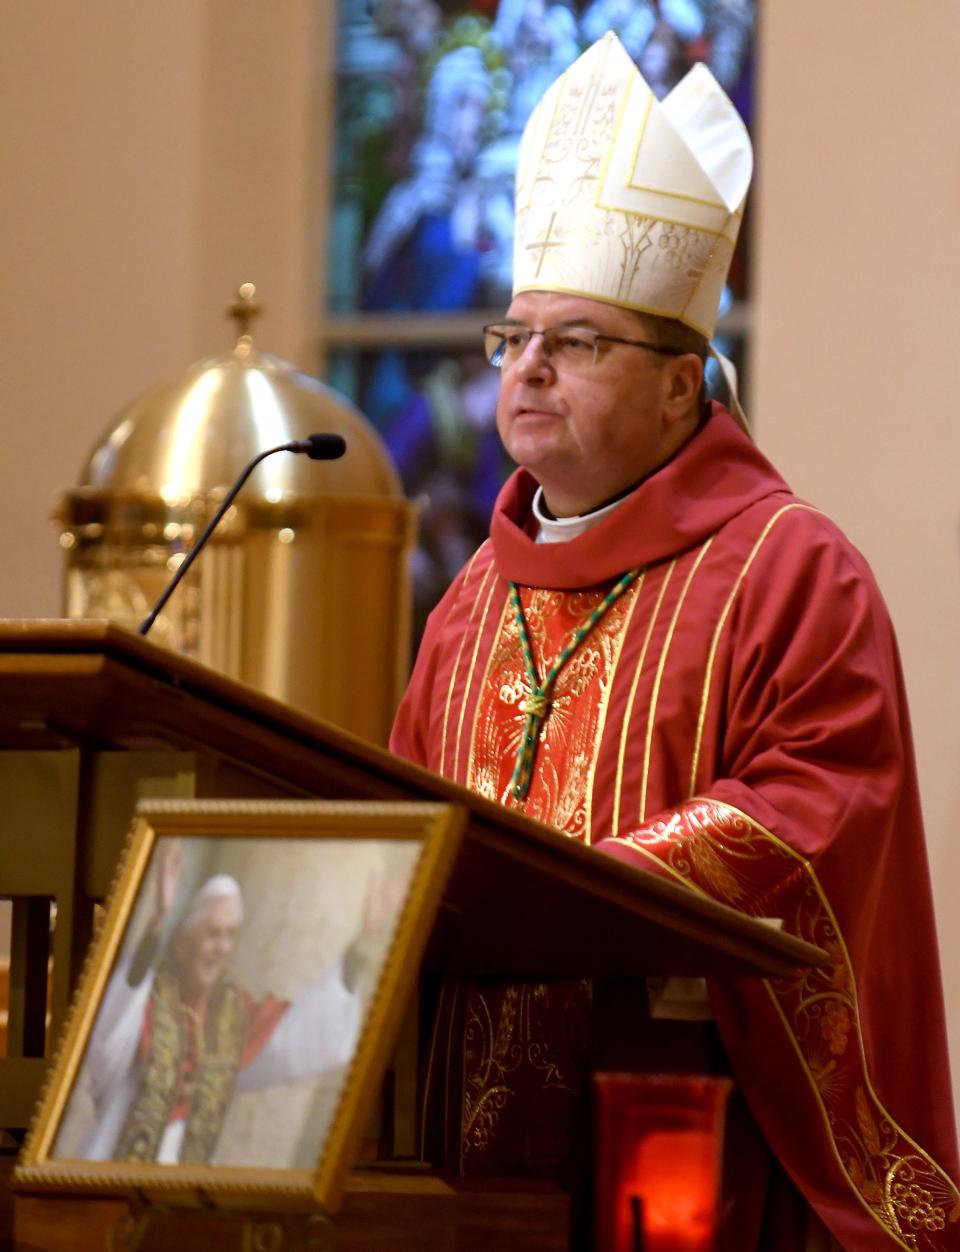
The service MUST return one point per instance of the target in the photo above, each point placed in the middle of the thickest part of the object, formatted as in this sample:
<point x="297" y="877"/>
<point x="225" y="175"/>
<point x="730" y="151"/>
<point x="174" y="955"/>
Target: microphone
<point x="317" y="447"/>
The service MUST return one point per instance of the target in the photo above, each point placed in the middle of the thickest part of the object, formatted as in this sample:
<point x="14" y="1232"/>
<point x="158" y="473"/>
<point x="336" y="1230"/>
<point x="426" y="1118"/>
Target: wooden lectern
<point x="94" y="718"/>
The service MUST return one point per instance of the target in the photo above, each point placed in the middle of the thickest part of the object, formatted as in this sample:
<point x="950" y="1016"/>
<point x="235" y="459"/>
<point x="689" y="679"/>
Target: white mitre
<point x="627" y="199"/>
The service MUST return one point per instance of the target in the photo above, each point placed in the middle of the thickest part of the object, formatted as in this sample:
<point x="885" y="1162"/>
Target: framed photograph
<point x="239" y="1005"/>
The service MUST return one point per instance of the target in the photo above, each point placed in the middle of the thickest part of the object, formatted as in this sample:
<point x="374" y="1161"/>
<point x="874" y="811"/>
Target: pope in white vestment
<point x="176" y="1038"/>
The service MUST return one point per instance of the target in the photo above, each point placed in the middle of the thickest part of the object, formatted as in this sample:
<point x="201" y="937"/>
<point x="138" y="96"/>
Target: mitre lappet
<point x="628" y="199"/>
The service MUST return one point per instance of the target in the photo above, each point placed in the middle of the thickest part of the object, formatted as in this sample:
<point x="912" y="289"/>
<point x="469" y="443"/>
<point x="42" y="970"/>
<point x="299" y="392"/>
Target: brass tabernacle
<point x="304" y="590"/>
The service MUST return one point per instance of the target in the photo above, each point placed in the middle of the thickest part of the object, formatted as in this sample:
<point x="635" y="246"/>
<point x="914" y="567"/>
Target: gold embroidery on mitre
<point x="624" y="198"/>
<point x="709" y="845"/>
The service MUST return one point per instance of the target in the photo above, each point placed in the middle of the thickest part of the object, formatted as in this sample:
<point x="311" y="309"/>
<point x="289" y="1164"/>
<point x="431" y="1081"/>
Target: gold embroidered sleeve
<point x="720" y="851"/>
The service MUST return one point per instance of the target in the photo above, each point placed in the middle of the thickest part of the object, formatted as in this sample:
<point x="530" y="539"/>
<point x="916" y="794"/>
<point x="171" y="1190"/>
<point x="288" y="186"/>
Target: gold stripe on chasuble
<point x="893" y="1179"/>
<point x="714" y="643"/>
<point x="491" y="578"/>
<point x="506" y="617"/>
<point x="456" y="663"/>
<point x="628" y="712"/>
<point x="655" y="694"/>
<point x="633" y="595"/>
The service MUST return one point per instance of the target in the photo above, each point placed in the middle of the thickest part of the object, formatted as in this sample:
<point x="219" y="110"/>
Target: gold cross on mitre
<point x="601" y="154"/>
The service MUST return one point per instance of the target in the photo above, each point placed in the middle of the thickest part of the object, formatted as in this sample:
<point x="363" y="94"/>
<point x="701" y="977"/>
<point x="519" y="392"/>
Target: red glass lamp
<point x="658" y="1157"/>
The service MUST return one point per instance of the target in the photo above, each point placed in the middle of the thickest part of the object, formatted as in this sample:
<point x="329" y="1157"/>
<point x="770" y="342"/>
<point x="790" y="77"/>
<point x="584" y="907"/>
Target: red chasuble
<point x="737" y="722"/>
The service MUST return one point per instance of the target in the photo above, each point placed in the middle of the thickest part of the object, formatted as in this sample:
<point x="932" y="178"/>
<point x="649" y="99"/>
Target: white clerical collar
<point x="563" y="529"/>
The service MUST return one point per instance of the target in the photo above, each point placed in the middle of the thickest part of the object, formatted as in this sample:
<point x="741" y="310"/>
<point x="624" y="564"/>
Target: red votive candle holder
<point x="659" y="1149"/>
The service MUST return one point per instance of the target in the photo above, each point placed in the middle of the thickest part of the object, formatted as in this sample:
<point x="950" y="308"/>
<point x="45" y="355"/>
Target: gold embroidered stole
<point x="220" y="1035"/>
<point x="524" y="1045"/>
<point x="569" y="739"/>
<point x="724" y="853"/>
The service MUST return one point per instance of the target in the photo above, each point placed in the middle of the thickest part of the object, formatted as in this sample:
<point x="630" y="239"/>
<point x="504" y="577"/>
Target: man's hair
<point x="667" y="332"/>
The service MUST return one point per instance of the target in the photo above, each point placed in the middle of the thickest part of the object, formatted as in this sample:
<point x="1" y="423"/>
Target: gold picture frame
<point x="247" y="947"/>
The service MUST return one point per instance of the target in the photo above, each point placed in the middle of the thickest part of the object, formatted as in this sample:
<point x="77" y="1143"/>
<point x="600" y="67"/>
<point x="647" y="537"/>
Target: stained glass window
<point x="432" y="98"/>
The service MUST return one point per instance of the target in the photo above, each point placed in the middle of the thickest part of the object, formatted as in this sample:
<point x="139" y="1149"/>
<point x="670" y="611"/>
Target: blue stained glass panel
<point x="437" y="414"/>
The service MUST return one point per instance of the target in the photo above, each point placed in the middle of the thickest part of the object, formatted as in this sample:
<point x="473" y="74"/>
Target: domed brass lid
<point x="192" y="436"/>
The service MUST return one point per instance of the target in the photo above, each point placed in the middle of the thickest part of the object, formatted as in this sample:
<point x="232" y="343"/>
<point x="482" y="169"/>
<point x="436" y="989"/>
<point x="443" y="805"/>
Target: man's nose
<point x="534" y="361"/>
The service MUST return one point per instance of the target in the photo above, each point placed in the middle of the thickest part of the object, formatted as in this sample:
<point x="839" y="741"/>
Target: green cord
<point x="537" y="704"/>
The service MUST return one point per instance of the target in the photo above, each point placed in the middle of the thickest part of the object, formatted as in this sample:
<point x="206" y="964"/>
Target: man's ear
<point x="683" y="378"/>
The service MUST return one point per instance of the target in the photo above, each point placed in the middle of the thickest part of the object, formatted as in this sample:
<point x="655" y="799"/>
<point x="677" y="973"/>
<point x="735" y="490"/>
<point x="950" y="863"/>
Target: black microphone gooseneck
<point x="317" y="448"/>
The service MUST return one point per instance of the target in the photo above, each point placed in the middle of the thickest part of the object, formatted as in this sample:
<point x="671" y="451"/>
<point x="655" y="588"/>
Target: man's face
<point x="585" y="436"/>
<point x="204" y="950"/>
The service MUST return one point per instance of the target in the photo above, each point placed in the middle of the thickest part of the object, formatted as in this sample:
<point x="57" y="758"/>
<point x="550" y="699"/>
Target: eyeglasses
<point x="573" y="348"/>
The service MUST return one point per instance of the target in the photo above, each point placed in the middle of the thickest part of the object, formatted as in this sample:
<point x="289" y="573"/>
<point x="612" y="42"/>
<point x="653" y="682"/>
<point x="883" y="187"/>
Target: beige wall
<point x="154" y="155"/>
<point x="856" y="356"/>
